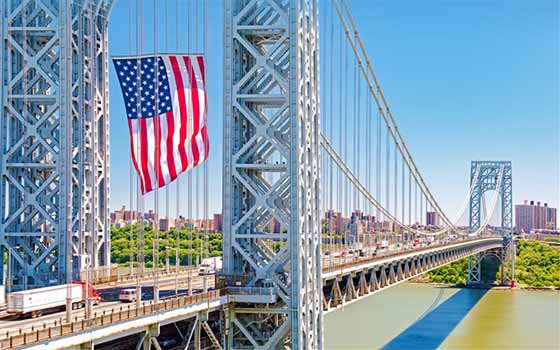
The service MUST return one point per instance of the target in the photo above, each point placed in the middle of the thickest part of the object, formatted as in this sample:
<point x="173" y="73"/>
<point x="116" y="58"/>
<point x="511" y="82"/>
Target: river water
<point x="420" y="316"/>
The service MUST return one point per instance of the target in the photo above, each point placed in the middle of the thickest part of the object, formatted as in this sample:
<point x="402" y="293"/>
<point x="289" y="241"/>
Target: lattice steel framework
<point x="54" y="137"/>
<point x="271" y="173"/>
<point x="488" y="179"/>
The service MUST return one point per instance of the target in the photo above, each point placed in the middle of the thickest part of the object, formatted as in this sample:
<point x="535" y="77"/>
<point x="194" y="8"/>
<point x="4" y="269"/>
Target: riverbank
<point x="427" y="281"/>
<point x="537" y="267"/>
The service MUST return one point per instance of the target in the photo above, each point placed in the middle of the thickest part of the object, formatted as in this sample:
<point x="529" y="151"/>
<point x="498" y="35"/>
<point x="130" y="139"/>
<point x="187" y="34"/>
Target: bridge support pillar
<point x="150" y="337"/>
<point x="272" y="172"/>
<point x="474" y="269"/>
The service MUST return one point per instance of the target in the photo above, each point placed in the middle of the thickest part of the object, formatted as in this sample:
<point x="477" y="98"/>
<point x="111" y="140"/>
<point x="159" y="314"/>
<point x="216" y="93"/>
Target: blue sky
<point x="465" y="79"/>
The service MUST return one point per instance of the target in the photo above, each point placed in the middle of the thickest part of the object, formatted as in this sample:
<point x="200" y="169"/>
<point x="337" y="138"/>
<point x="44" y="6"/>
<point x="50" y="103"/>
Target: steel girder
<point x="346" y="285"/>
<point x="271" y="172"/>
<point x="54" y="132"/>
<point x="485" y="176"/>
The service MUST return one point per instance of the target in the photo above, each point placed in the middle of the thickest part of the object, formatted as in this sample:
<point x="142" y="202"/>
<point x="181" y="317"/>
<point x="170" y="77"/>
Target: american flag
<point x="165" y="100"/>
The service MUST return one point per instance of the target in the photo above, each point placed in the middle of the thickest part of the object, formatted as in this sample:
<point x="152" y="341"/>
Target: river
<point x="421" y="316"/>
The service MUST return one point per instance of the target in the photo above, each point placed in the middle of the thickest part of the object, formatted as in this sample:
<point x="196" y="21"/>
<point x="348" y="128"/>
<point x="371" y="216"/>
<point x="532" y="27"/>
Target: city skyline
<point x="428" y="88"/>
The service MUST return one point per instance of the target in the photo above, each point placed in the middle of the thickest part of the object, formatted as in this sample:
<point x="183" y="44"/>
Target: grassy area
<point x="536" y="265"/>
<point x="191" y="242"/>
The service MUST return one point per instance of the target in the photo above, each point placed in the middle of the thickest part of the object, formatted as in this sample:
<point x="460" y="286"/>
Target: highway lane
<point x="13" y="324"/>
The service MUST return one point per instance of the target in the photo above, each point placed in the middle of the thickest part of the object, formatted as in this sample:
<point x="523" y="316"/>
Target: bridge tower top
<point x="485" y="176"/>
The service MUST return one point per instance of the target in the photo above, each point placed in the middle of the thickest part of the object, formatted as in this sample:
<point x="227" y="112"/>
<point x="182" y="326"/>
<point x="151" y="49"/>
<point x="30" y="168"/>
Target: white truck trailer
<point x="210" y="265"/>
<point x="33" y="302"/>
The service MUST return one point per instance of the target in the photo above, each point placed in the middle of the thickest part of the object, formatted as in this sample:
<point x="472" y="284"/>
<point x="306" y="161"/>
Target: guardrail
<point x="397" y="253"/>
<point x="44" y="333"/>
<point x="123" y="278"/>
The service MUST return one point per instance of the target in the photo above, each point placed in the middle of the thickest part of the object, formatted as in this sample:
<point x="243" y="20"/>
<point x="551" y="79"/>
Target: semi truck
<point x="33" y="302"/>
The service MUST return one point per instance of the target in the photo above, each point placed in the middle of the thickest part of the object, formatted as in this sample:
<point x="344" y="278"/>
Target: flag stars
<point x="145" y="86"/>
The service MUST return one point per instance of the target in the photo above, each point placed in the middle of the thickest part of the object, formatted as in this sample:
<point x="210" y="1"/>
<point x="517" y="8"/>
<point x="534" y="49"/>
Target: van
<point x="127" y="295"/>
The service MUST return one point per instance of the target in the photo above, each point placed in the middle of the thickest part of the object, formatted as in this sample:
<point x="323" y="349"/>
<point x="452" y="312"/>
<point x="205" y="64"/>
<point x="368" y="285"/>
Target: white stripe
<point x="135" y="146"/>
<point x="151" y="151"/>
<point x="176" y="114"/>
<point x="163" y="149"/>
<point x="188" y="100"/>
<point x="202" y="107"/>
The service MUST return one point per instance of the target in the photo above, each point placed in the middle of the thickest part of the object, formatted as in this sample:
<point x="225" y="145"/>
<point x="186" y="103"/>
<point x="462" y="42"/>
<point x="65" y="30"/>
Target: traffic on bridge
<point x="323" y="203"/>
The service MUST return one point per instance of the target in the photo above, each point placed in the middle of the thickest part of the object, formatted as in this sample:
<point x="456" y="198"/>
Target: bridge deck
<point x="343" y="282"/>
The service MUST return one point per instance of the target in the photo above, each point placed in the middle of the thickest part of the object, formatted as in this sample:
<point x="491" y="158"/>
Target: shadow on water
<point x="435" y="325"/>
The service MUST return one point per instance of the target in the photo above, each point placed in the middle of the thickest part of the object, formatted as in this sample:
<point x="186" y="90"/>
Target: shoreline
<point x="489" y="286"/>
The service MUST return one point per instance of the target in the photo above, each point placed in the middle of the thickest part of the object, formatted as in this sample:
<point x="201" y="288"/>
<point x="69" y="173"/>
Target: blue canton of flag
<point x="129" y="72"/>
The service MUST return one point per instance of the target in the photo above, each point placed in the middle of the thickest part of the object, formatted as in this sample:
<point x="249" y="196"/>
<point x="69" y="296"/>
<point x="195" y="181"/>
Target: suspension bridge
<point x="323" y="202"/>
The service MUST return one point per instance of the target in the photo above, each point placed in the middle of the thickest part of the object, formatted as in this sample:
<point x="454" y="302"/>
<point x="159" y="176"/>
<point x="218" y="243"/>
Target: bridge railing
<point x="360" y="261"/>
<point x="47" y="332"/>
<point x="115" y="277"/>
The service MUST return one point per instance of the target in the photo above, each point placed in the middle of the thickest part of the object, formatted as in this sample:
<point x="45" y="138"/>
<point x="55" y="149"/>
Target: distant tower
<point x="271" y="172"/>
<point x="487" y="176"/>
<point x="54" y="138"/>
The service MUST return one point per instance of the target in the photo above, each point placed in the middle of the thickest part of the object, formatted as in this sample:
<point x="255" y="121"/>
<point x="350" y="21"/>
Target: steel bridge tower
<point x="488" y="179"/>
<point x="271" y="174"/>
<point x="54" y="137"/>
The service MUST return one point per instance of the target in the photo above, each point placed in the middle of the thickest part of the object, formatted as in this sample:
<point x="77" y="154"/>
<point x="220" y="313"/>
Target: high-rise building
<point x="530" y="216"/>
<point x="218" y="222"/>
<point x="432" y="218"/>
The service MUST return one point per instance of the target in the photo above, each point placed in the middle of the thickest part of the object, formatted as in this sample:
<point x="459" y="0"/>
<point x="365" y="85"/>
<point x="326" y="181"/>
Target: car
<point x="127" y="295"/>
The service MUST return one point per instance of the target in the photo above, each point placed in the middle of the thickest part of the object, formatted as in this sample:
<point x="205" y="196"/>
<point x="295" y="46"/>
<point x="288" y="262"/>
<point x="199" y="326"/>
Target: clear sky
<point x="465" y="79"/>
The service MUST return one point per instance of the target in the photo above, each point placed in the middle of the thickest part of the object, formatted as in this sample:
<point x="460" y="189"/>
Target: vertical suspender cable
<point x="396" y="176"/>
<point x="189" y="175"/>
<point x="167" y="187"/>
<point x="345" y="139"/>
<point x="155" y="242"/>
<point x="331" y="121"/>
<point x="197" y="200"/>
<point x="340" y="128"/>
<point x="178" y="184"/>
<point x="402" y="193"/>
<point x="206" y="89"/>
<point x="131" y="175"/>
<point x="359" y="126"/>
<point x="378" y="168"/>
<point x="140" y="198"/>
<point x="415" y="202"/>
<point x="409" y="198"/>
<point x="355" y="133"/>
<point x="387" y="171"/>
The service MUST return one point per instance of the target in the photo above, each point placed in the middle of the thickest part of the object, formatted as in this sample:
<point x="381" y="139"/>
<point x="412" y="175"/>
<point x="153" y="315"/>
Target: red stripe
<point x="201" y="65"/>
<point x="157" y="160"/>
<point x="134" y="155"/>
<point x="196" y="109"/>
<point x="204" y="128"/>
<point x="182" y="109"/>
<point x="170" y="150"/>
<point x="144" y="156"/>
<point x="205" y="140"/>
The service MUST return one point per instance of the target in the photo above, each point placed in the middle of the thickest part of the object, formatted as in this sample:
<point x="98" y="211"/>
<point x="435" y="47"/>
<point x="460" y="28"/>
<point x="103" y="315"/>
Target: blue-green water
<point x="419" y="316"/>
